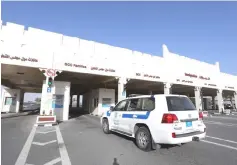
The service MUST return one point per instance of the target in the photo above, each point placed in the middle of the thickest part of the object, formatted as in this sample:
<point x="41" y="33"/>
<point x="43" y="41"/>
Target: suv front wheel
<point x="105" y="126"/>
<point x="143" y="139"/>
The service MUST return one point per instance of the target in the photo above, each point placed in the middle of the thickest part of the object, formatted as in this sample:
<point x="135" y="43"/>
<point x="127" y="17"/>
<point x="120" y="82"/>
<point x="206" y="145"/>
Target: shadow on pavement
<point x="35" y="112"/>
<point x="125" y="137"/>
<point x="21" y="113"/>
<point x="76" y="112"/>
<point x="115" y="162"/>
<point x="162" y="146"/>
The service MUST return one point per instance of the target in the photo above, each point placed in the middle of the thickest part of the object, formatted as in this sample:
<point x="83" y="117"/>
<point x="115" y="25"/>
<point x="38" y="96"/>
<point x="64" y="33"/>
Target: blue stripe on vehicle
<point x="138" y="116"/>
<point x="108" y="113"/>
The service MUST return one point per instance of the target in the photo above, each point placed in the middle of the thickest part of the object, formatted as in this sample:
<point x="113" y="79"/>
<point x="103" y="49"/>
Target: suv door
<point x="138" y="110"/>
<point x="116" y="114"/>
<point x="128" y="119"/>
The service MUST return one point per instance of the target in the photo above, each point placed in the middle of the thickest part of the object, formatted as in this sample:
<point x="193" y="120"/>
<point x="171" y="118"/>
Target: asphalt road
<point x="86" y="144"/>
<point x="15" y="132"/>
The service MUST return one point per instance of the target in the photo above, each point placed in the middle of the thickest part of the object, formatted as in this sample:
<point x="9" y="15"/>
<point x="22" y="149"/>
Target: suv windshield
<point x="176" y="103"/>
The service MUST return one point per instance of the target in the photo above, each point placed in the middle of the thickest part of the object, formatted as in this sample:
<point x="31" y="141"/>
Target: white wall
<point x="78" y="55"/>
<point x="7" y="92"/>
<point x="181" y="66"/>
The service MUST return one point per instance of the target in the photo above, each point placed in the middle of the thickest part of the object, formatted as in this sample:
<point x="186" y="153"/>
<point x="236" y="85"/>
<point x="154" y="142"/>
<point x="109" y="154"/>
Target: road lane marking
<point x="230" y="141"/>
<point x="45" y="132"/>
<point x="54" y="161"/>
<point x="222" y="117"/>
<point x="222" y="124"/>
<point x="21" y="160"/>
<point x="218" y="144"/>
<point x="62" y="148"/>
<point x="43" y="144"/>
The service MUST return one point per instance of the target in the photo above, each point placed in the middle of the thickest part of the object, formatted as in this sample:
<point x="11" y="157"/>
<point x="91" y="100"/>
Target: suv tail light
<point x="169" y="118"/>
<point x="201" y="115"/>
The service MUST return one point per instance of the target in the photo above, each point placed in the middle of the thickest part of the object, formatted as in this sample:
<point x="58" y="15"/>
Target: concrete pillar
<point x="121" y="90"/>
<point x="167" y="88"/>
<point x="22" y="93"/>
<point x="78" y="100"/>
<point x="220" y="102"/>
<point x="235" y="97"/>
<point x="70" y="104"/>
<point x="214" y="102"/>
<point x="198" y="98"/>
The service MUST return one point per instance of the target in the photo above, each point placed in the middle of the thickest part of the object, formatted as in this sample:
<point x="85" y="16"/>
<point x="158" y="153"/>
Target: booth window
<point x="134" y="104"/>
<point x="148" y="104"/>
<point x="10" y="101"/>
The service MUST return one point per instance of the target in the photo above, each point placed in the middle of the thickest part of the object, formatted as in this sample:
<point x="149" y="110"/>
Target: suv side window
<point x="134" y="104"/>
<point x="148" y="104"/>
<point x="121" y="106"/>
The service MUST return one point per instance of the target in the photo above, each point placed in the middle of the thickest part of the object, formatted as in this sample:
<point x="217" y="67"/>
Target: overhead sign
<point x="50" y="72"/>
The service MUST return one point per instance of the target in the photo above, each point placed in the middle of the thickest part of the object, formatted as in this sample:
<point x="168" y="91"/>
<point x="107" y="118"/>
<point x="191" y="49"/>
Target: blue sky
<point x="206" y="31"/>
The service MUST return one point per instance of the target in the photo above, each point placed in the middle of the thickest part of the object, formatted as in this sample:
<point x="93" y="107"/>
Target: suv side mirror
<point x="111" y="108"/>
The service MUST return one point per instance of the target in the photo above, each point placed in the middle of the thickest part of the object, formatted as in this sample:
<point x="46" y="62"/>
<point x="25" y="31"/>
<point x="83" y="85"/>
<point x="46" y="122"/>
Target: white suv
<point x="155" y="119"/>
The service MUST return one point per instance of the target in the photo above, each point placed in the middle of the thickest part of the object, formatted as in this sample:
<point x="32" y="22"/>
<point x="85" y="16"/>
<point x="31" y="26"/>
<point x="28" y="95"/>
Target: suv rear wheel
<point x="105" y="126"/>
<point x="143" y="139"/>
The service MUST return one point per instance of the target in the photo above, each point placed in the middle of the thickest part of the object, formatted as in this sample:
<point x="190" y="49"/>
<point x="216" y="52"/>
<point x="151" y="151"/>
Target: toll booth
<point x="97" y="101"/>
<point x="10" y="100"/>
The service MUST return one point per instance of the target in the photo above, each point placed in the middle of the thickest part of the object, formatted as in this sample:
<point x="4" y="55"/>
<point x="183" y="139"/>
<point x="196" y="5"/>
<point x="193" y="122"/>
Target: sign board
<point x="106" y="102"/>
<point x="50" y="72"/>
<point x="49" y="90"/>
<point x="57" y="101"/>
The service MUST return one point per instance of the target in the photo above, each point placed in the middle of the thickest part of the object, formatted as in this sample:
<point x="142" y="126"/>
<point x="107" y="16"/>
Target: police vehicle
<point x="155" y="119"/>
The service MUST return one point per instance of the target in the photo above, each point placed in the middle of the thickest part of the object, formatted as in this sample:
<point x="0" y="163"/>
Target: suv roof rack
<point x="134" y="95"/>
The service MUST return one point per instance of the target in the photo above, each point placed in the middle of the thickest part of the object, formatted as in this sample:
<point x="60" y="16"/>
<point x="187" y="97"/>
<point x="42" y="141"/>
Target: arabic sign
<point x="6" y="56"/>
<point x="184" y="81"/>
<point x="229" y="87"/>
<point x="102" y="69"/>
<point x="195" y="76"/>
<point x="148" y="76"/>
<point x="211" y="85"/>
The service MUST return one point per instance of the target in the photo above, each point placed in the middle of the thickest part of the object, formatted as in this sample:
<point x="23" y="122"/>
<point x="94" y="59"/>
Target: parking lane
<point x="99" y="148"/>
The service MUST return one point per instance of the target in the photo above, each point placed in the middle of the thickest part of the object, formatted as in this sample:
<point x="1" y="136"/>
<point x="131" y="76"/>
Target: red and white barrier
<point x="45" y="120"/>
<point x="205" y="113"/>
